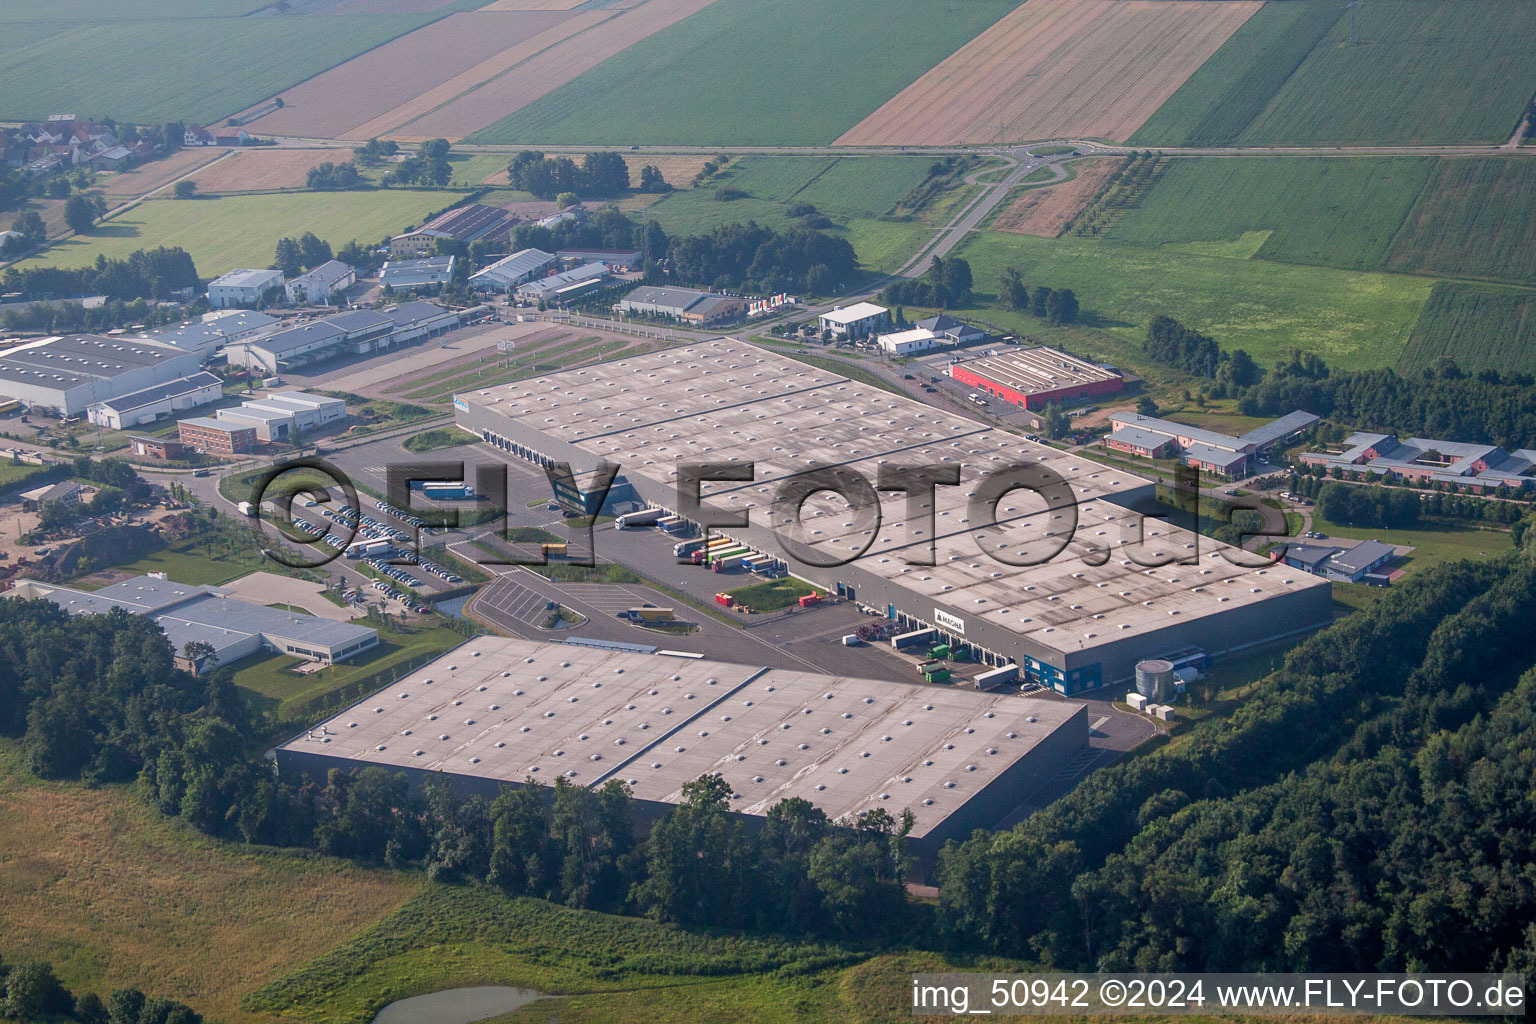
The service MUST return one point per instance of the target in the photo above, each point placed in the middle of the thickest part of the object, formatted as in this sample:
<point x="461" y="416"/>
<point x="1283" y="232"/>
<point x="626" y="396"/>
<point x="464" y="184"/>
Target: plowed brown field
<point x="549" y="70"/>
<point x="253" y="170"/>
<point x="333" y="104"/>
<point x="1058" y="68"/>
<point x="1046" y="211"/>
<point x="156" y="173"/>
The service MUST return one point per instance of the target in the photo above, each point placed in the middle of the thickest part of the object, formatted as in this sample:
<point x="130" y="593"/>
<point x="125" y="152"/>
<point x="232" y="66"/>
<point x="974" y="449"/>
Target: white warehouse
<point x="242" y="287"/>
<point x="71" y="373"/>
<point x="148" y="405"/>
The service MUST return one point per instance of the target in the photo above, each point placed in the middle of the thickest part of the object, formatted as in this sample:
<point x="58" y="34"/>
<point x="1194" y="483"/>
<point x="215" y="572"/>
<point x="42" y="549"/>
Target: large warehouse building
<point x="1112" y="592"/>
<point x="71" y="373"/>
<point x="497" y="711"/>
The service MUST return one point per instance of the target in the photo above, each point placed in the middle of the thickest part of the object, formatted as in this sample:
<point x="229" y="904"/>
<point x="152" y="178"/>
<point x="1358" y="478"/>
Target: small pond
<point x="457" y="1005"/>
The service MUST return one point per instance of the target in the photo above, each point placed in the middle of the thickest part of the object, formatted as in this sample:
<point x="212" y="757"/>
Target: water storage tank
<point x="1154" y="679"/>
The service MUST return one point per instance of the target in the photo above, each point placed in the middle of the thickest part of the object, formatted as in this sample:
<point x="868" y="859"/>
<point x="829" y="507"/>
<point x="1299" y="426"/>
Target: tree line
<point x="1058" y="305"/>
<point x="33" y="992"/>
<point x="1387" y="507"/>
<point x="946" y="284"/>
<point x="599" y="175"/>
<point x="144" y="274"/>
<point x="1373" y="811"/>
<point x="99" y="698"/>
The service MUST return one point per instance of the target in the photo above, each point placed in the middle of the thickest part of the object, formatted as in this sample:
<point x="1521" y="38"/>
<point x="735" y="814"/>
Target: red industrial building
<point x="1033" y="377"/>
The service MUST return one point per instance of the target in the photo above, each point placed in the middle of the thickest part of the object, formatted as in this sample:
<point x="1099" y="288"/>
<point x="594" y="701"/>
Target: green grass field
<point x="145" y="70"/>
<point x="1479" y="326"/>
<point x="1353" y="319"/>
<point x="242" y="231"/>
<point x="1425" y="71"/>
<point x="1341" y="212"/>
<point x="125" y="10"/>
<point x="853" y="192"/>
<point x="1432" y="545"/>
<point x="1477" y="219"/>
<point x="771" y="595"/>
<point x="96" y="881"/>
<point x="442" y="437"/>
<point x="796" y="72"/>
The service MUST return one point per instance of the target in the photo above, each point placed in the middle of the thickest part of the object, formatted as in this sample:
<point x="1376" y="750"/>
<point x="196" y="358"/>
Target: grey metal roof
<point x="209" y="423"/>
<point x="358" y="320"/>
<point x="1141" y="438"/>
<point x="1213" y="455"/>
<point x="1274" y="430"/>
<point x="1309" y="554"/>
<point x="409" y="313"/>
<point x="160" y="392"/>
<point x="315" y="333"/>
<point x="1214" y="438"/>
<point x="325" y="275"/>
<point x="676" y="298"/>
<point x="514" y="267"/>
<point x="245" y="278"/>
<point x="1362" y="555"/>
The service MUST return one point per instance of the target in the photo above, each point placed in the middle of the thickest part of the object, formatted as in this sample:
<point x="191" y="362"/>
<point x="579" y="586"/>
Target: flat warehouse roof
<point x="1038" y="369"/>
<point x="725" y="401"/>
<point x="506" y="709"/>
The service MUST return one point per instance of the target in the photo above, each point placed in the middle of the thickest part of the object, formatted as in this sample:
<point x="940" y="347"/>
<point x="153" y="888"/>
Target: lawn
<point x="1433" y="543"/>
<point x="114" y="895"/>
<point x="771" y="595"/>
<point x="1353" y="319"/>
<point x="1424" y="71"/>
<point x="433" y="440"/>
<point x="145" y="71"/>
<point x="1479" y="326"/>
<point x="741" y="72"/>
<point x="1341" y="212"/>
<point x="243" y="231"/>
<point x="288" y="693"/>
<point x="1477" y="218"/>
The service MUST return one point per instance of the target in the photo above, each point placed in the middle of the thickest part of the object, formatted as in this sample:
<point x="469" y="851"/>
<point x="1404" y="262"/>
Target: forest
<point x="145" y="274"/>
<point x="1373" y="811"/>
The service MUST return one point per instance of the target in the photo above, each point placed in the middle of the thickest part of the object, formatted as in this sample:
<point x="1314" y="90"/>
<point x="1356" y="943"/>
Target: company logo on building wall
<point x="953" y="623"/>
<point x="460" y="404"/>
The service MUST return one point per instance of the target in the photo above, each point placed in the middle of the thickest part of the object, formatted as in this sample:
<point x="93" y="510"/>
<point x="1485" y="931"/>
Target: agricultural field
<point x="259" y="170"/>
<point x="113" y="894"/>
<point x="334" y="104"/>
<point x="741" y="72"/>
<point x="1423" y="72"/>
<point x="158" y="173"/>
<point x="1352" y="319"/>
<point x="549" y="64"/>
<point x="1477" y="219"/>
<point x="242" y="231"/>
<point x="1479" y="326"/>
<point x="1048" y="210"/>
<point x="1052" y="68"/>
<point x="138" y="71"/>
<point x="1340" y="212"/>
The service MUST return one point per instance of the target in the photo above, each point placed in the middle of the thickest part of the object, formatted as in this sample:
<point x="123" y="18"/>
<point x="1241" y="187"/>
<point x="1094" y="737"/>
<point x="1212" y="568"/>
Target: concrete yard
<point x="271" y="589"/>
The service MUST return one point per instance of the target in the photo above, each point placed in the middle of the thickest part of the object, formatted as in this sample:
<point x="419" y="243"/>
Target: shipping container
<point x="917" y="636"/>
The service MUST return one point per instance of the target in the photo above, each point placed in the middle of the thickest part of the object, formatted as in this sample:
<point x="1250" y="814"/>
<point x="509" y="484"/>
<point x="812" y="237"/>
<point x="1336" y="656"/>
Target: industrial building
<point x="1343" y="564"/>
<point x="566" y="285"/>
<point x="1033" y="378"/>
<point x="356" y="332"/>
<point x="957" y="331"/>
<point x="856" y="321"/>
<point x="69" y="374"/>
<point x="285" y="414"/>
<point x="510" y="271"/>
<point x="216" y="437"/>
<point x="234" y="628"/>
<point x="497" y="711"/>
<point x="615" y="259"/>
<point x="462" y="224"/>
<point x="1112" y="591"/>
<point x="402" y="275"/>
<point x="215" y="330"/>
<point x="1209" y="451"/>
<point x="1475" y="467"/>
<point x="685" y="304"/>
<point x="318" y="285"/>
<point x="156" y="447"/>
<point x="242" y="287"/>
<point x="146" y="406"/>
<point x="911" y="342"/>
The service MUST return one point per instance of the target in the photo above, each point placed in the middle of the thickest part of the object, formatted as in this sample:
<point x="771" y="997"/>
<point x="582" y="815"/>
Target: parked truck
<point x="644" y="517"/>
<point x="687" y="547"/>
<point x="246" y="508"/>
